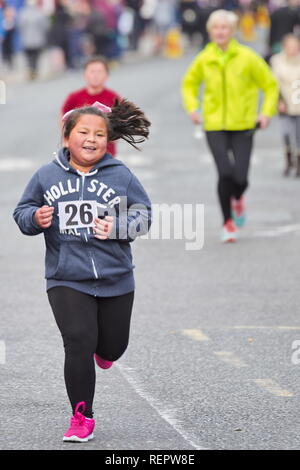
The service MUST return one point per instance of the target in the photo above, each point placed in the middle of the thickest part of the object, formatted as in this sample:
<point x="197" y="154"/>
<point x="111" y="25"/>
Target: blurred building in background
<point x="78" y="29"/>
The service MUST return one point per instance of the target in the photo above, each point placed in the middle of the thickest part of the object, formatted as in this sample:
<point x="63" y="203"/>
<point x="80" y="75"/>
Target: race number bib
<point x="77" y="214"/>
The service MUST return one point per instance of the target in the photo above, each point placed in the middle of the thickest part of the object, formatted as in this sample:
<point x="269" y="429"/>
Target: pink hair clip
<point x="66" y="115"/>
<point x="102" y="107"/>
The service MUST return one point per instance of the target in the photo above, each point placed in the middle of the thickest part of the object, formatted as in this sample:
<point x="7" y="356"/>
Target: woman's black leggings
<point x="89" y="325"/>
<point x="231" y="151"/>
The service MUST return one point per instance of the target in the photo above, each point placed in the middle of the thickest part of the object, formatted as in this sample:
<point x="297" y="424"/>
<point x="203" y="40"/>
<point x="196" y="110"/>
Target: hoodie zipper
<point x="94" y="268"/>
<point x="82" y="186"/>
<point x="85" y="236"/>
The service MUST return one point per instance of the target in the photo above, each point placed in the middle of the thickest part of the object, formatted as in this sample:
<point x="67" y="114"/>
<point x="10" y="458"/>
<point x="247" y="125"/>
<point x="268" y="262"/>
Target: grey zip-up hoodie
<point x="74" y="257"/>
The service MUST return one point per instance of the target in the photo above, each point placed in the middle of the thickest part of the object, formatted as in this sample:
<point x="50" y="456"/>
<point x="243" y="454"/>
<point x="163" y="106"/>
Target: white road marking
<point x="15" y="164"/>
<point x="257" y="159"/>
<point x="273" y="388"/>
<point x="278" y="231"/>
<point x="230" y="358"/>
<point x="144" y="174"/>
<point x="135" y="160"/>
<point x="269" y="157"/>
<point x="279" y="327"/>
<point x="197" y="335"/>
<point x="168" y="415"/>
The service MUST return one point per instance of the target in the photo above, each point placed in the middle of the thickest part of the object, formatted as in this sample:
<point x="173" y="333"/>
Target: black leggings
<point x="89" y="325"/>
<point x="231" y="151"/>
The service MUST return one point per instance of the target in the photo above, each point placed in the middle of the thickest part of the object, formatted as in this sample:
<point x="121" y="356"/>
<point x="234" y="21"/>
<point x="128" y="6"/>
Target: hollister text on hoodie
<point x="74" y="257"/>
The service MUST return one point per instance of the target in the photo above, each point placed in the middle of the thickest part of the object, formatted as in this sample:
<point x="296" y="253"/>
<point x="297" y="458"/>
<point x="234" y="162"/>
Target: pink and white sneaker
<point x="228" y="234"/>
<point x="81" y="428"/>
<point x="102" y="362"/>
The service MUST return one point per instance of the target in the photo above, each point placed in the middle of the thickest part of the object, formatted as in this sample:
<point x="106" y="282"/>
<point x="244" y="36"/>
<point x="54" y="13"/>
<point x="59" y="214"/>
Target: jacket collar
<point x="215" y="52"/>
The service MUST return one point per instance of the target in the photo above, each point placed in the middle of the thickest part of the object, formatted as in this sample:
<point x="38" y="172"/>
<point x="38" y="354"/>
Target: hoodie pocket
<point x="100" y="259"/>
<point x="110" y="260"/>
<point x="75" y="262"/>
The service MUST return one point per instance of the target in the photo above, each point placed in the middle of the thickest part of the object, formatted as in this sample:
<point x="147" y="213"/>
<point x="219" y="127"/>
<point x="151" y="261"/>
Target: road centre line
<point x="272" y="387"/>
<point x="230" y="358"/>
<point x="15" y="164"/>
<point x="195" y="334"/>
<point x="199" y="333"/>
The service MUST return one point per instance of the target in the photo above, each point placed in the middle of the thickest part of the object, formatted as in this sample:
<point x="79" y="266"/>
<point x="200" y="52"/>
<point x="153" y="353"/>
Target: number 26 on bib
<point x="77" y="214"/>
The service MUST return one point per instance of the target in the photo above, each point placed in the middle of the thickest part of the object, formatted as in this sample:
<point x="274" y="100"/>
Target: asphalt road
<point x="210" y="362"/>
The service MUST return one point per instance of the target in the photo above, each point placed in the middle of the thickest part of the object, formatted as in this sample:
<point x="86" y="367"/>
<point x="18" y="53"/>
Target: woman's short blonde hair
<point x="223" y="15"/>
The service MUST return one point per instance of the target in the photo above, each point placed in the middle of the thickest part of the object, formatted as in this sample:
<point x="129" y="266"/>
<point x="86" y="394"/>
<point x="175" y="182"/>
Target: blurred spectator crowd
<point x="74" y="30"/>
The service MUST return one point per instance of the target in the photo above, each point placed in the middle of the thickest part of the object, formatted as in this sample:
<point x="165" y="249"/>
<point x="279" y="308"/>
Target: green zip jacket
<point x="232" y="81"/>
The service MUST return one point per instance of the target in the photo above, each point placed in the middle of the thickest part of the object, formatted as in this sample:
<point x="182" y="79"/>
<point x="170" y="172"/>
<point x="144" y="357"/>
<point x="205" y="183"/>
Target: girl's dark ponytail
<point x="128" y="122"/>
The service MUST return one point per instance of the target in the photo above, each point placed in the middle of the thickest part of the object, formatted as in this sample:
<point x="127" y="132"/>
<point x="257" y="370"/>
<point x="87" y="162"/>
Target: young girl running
<point x="89" y="206"/>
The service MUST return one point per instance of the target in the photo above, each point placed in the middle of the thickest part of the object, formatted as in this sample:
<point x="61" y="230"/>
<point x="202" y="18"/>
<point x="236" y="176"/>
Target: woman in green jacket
<point x="232" y="76"/>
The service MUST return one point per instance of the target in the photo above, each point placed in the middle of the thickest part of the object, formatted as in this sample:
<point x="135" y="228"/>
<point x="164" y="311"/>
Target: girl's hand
<point x="103" y="227"/>
<point x="43" y="216"/>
